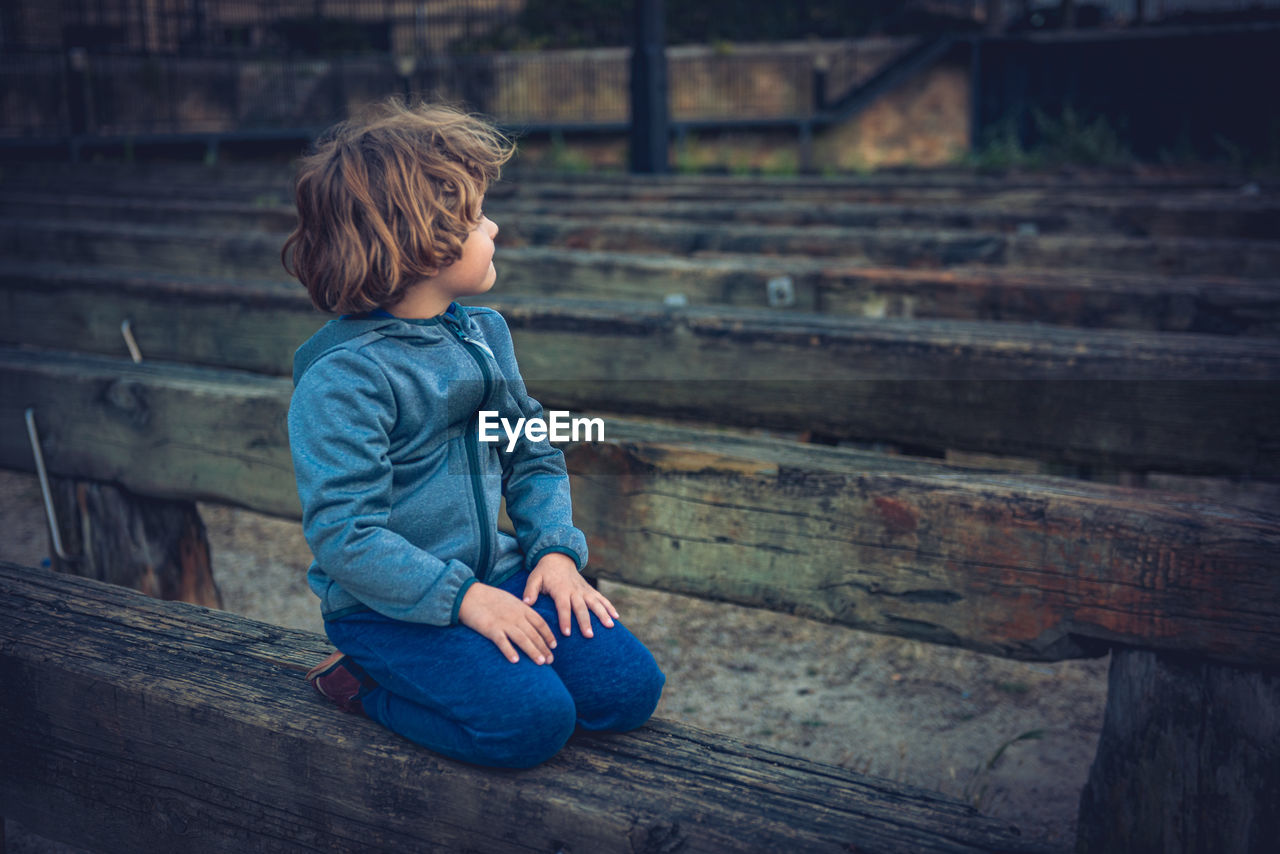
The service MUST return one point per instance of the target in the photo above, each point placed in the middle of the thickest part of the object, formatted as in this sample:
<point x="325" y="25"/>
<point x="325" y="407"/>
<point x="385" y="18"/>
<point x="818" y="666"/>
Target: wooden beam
<point x="908" y="247"/>
<point x="1079" y="212"/>
<point x="154" y="248"/>
<point x="251" y="326"/>
<point x="139" y="725"/>
<point x="256" y="254"/>
<point x="1018" y="566"/>
<point x="164" y="431"/>
<point x="964" y="182"/>
<point x="249" y="181"/>
<point x="153" y="545"/>
<point x="1084" y="299"/>
<point x="1218" y="305"/>
<point x="1036" y="568"/>
<point x="1196" y="404"/>
<point x="1188" y="759"/>
<point x="1070" y="212"/>
<point x="1129" y="400"/>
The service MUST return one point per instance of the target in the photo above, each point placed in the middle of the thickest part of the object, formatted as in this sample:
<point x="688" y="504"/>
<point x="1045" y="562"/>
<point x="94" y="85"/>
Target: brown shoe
<point x="341" y="681"/>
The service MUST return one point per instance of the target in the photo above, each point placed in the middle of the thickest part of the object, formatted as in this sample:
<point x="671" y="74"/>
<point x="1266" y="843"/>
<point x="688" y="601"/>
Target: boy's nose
<point x="491" y="227"/>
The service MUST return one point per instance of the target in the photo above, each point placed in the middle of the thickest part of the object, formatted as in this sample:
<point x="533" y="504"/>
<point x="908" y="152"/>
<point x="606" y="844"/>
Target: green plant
<point x="1070" y="139"/>
<point x="562" y="158"/>
<point x="738" y="162"/>
<point x="783" y="162"/>
<point x="1001" y="148"/>
<point x="686" y="162"/>
<point x="859" y="165"/>
<point x="1067" y="139"/>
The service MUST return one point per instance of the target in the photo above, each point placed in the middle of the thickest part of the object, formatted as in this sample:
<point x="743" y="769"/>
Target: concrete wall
<point x="924" y="122"/>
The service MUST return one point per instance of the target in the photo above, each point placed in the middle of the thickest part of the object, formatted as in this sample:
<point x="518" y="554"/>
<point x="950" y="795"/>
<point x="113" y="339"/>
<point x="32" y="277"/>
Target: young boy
<point x="444" y="622"/>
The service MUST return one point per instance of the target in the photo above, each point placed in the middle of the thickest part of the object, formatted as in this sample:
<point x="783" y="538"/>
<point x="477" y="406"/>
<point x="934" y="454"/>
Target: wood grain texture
<point x="908" y="247"/>
<point x="147" y="725"/>
<point x="1025" y="567"/>
<point x="164" y="431"/>
<point x="250" y="180"/>
<point x="1019" y="566"/>
<point x="1092" y="300"/>
<point x="246" y="325"/>
<point x="265" y="208"/>
<point x="1188" y="760"/>
<point x="156" y="546"/>
<point x="1075" y="212"/>
<point x="1186" y="403"/>
<point x="1079" y="298"/>
<point x="1132" y="400"/>
<point x="235" y="252"/>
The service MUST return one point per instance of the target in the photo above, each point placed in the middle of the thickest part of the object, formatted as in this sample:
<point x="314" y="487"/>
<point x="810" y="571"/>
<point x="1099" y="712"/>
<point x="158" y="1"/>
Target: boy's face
<point x="473" y="273"/>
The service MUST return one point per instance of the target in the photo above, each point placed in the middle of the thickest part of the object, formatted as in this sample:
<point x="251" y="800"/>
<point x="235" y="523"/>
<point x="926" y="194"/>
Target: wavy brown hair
<point x="386" y="199"/>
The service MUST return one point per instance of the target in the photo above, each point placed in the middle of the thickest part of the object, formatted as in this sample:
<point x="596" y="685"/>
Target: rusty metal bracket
<point x="781" y="292"/>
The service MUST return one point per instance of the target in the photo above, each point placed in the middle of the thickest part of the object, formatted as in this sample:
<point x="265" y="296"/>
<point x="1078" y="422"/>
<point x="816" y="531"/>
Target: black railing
<point x="80" y="92"/>
<point x="84" y="71"/>
<point x="245" y="27"/>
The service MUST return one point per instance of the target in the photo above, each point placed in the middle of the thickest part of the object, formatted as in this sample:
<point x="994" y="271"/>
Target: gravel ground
<point x="1013" y="738"/>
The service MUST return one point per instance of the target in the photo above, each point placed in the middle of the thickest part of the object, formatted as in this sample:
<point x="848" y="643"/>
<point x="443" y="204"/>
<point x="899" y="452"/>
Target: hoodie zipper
<point x="472" y="346"/>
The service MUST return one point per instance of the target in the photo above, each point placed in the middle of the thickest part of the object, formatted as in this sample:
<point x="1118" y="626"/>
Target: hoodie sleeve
<point x="340" y="420"/>
<point x="535" y="480"/>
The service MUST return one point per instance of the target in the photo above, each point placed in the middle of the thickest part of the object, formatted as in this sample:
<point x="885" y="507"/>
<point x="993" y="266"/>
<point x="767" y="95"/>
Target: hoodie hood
<point x="357" y="329"/>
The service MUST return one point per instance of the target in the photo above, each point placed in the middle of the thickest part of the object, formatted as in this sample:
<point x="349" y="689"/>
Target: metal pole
<point x="995" y="16"/>
<point x="649" y="116"/>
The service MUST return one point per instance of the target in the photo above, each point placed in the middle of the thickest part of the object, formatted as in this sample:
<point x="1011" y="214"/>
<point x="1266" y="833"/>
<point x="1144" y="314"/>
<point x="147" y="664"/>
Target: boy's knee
<point x="632" y="707"/>
<point x="644" y="699"/>
<point x="528" y="734"/>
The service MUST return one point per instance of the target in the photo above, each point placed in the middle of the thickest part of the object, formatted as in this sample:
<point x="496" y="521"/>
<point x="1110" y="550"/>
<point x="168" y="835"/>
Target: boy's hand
<point x="508" y="622"/>
<point x="557" y="575"/>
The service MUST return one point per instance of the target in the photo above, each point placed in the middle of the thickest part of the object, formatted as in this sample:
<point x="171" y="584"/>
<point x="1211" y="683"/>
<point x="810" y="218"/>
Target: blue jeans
<point x="448" y="688"/>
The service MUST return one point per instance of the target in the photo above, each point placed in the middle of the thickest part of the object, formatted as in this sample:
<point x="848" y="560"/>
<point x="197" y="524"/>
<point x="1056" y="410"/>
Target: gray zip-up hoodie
<point x="399" y="497"/>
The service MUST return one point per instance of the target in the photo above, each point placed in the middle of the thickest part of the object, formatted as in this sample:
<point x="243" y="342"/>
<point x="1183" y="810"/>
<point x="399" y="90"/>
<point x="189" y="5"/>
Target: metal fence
<point x="398" y="27"/>
<point x="116" y="68"/>
<point x="242" y="27"/>
<point x="77" y="93"/>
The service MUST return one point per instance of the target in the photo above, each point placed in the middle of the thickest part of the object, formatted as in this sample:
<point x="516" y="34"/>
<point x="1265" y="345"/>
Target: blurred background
<point x="751" y="85"/>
